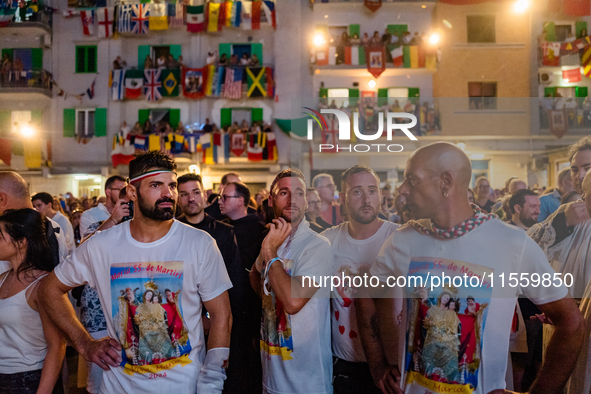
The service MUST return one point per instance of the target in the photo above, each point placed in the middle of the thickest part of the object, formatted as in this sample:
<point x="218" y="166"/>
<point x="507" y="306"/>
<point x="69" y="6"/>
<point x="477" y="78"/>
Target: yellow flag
<point x="32" y="151"/>
<point x="414" y="56"/>
<point x="154" y="142"/>
<point x="214" y="15"/>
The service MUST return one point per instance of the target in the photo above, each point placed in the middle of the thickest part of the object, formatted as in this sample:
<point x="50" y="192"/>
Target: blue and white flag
<point x="124" y="20"/>
<point x="117" y="86"/>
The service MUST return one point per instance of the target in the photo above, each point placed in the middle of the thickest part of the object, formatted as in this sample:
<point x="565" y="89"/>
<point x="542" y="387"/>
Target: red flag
<point x="347" y="55"/>
<point x="5" y="150"/>
<point x="256" y="15"/>
<point x="237" y="145"/>
<point x="270" y="81"/>
<point x="194" y="82"/>
<point x="222" y="15"/>
<point x="576" y="7"/>
<point x="375" y="58"/>
<point x="121" y="159"/>
<point x="373" y="5"/>
<point x="573" y="75"/>
<point x="551" y="54"/>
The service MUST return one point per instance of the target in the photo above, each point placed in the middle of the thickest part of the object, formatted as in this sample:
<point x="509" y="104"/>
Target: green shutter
<point x="382" y="96"/>
<point x="100" y="122"/>
<point x="175" y="51"/>
<point x="226" y="49"/>
<point x="581" y="91"/>
<point x="80" y="59"/>
<point x="361" y="55"/>
<point x="550" y="91"/>
<point x="5" y="118"/>
<point x="257" y="49"/>
<point x="37" y="117"/>
<point x="9" y="52"/>
<point x="37" y="58"/>
<point x="226" y="117"/>
<point x="353" y="93"/>
<point x="580" y="25"/>
<point x="550" y="31"/>
<point x="142" y="52"/>
<point x="257" y="115"/>
<point x="69" y="122"/>
<point x="406" y="56"/>
<point x="174" y="118"/>
<point x="91" y="59"/>
<point x="354" y="29"/>
<point x="414" y="95"/>
<point x="143" y="115"/>
<point x="323" y="92"/>
<point x="397" y="28"/>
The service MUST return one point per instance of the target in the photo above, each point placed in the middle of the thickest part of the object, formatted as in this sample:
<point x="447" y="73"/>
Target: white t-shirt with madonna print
<point x="152" y="295"/>
<point x="457" y="337"/>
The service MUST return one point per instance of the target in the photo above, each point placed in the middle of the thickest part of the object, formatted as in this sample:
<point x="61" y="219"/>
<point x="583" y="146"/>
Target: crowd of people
<point x="184" y="289"/>
<point x="12" y="73"/>
<point x="245" y="60"/>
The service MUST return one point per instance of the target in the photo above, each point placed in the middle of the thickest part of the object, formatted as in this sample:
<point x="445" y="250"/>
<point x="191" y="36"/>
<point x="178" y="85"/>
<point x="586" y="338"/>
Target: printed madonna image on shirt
<point x="147" y="311"/>
<point x="444" y="334"/>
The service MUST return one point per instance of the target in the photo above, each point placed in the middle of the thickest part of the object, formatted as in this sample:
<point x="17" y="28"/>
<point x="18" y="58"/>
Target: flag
<point x="256" y="81"/>
<point x="6" y="151"/>
<point x="573" y="75"/>
<point x="204" y="142"/>
<point x="195" y="19"/>
<point x="105" y="22"/>
<point x="237" y="144"/>
<point x="226" y="147"/>
<point x="90" y="90"/>
<point x="158" y="19"/>
<point x="224" y="5"/>
<point x="270" y="81"/>
<point x="120" y="159"/>
<point x="551" y="54"/>
<point x="269" y="9"/>
<point x="372" y="5"/>
<point x="194" y="80"/>
<point x="177" y="142"/>
<point x="191" y="143"/>
<point x="236" y="14"/>
<point x="87" y="22"/>
<point x="176" y="15"/>
<point x="270" y="148"/>
<point x="233" y="84"/>
<point x="322" y="57"/>
<point x="154" y="142"/>
<point x="117" y="77"/>
<point x="139" y="142"/>
<point x="152" y="84"/>
<point x="6" y="15"/>
<point x="254" y="151"/>
<point x="414" y="56"/>
<point x="352" y="56"/>
<point x="586" y="62"/>
<point x="213" y="16"/>
<point x="32" y="151"/>
<point x="124" y="19"/>
<point x="375" y="57"/>
<point x="332" y="55"/>
<point x="255" y="17"/>
<point x="576" y="7"/>
<point x="246" y="17"/>
<point x="139" y="18"/>
<point x="209" y="80"/>
<point x="431" y="61"/>
<point x="170" y="82"/>
<point x="66" y="14"/>
<point x="134" y="82"/>
<point x="397" y="56"/>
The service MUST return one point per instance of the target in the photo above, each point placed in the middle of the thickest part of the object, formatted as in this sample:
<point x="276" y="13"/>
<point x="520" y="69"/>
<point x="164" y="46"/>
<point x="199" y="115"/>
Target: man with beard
<point x="295" y="328"/>
<point x="355" y="245"/>
<point x="525" y="207"/>
<point x="146" y="248"/>
<point x="452" y="236"/>
<point x="245" y="374"/>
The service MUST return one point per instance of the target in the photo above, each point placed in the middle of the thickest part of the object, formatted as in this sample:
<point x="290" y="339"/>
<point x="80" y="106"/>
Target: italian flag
<point x="397" y="56"/>
<point x="353" y="56"/>
<point x="195" y="19"/>
<point x="6" y="15"/>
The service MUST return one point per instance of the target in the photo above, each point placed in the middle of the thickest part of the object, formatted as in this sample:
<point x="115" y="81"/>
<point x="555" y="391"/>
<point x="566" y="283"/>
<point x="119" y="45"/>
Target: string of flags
<point x="89" y="92"/>
<point x="141" y="18"/>
<point x="192" y="83"/>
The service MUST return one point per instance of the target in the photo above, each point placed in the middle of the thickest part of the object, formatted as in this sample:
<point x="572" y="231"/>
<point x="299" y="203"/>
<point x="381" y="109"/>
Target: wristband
<point x="266" y="275"/>
<point x="268" y="266"/>
<point x="213" y="371"/>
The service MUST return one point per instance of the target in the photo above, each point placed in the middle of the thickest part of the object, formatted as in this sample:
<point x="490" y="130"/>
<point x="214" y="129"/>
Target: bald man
<point x="14" y="194"/>
<point x="459" y="334"/>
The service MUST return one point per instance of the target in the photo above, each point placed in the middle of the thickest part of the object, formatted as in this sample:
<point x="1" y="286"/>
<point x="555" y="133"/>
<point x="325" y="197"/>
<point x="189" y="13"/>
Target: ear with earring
<point x="445" y="194"/>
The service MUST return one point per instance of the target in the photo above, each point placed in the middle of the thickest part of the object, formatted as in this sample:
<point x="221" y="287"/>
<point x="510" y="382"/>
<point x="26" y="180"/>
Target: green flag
<point x="170" y="82"/>
<point x="256" y="82"/>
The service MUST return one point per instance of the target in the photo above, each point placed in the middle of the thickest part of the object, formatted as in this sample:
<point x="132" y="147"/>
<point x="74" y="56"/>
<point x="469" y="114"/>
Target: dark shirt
<point x="487" y="207"/>
<point x="214" y="211"/>
<point x="318" y="222"/>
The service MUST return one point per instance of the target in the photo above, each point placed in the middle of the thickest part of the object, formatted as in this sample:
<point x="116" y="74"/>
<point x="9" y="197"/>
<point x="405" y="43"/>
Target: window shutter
<point x="80" y="59"/>
<point x="100" y="122"/>
<point x="143" y="115"/>
<point x="323" y="92"/>
<point x="175" y="51"/>
<point x="414" y="95"/>
<point x="9" y="52"/>
<point x="69" y="122"/>
<point x="550" y="91"/>
<point x="382" y="96"/>
<point x="580" y="25"/>
<point x="37" y="58"/>
<point x="550" y="31"/>
<point x="354" y="29"/>
<point x="142" y="52"/>
<point x="91" y="59"/>
<point x="225" y="117"/>
<point x="226" y="49"/>
<point x="257" y="49"/>
<point x="174" y="118"/>
<point x="581" y="91"/>
<point x="361" y="55"/>
<point x="353" y="93"/>
<point x="257" y="114"/>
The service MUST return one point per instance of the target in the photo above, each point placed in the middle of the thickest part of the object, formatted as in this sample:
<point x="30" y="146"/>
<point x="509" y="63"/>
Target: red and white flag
<point x="105" y="22"/>
<point x="233" y="83"/>
<point x="87" y="22"/>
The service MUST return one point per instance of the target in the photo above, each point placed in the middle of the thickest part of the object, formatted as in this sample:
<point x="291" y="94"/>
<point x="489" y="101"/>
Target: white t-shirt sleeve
<point x="534" y="262"/>
<point x="77" y="268"/>
<point x="384" y="265"/>
<point x="316" y="260"/>
<point x="85" y="221"/>
<point x="213" y="277"/>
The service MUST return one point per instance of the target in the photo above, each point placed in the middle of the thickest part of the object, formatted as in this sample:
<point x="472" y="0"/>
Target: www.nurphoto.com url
<point x="487" y="280"/>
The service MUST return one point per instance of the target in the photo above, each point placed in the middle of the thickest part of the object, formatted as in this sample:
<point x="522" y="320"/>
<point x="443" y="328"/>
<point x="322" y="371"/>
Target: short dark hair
<point x="142" y="162"/>
<point x="241" y="190"/>
<point x="45" y="198"/>
<point x="582" y="144"/>
<point x="290" y="172"/>
<point x="356" y="169"/>
<point x="212" y="197"/>
<point x="190" y="178"/>
<point x="123" y="192"/>
<point x="224" y="180"/>
<point x="518" y="198"/>
<point x="112" y="180"/>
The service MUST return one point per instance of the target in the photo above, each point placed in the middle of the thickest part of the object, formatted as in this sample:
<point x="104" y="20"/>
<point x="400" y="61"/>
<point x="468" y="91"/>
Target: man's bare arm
<point x="52" y="296"/>
<point x="221" y="321"/>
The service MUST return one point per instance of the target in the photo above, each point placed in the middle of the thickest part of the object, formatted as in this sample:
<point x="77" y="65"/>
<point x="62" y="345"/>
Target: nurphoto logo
<point x="343" y="126"/>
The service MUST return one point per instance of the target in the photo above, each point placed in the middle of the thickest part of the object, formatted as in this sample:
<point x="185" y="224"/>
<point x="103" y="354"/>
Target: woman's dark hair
<point x="30" y="225"/>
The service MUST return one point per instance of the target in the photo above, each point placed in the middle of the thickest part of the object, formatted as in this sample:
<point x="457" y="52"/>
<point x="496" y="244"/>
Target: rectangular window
<point x="85" y="122"/>
<point x="481" y="28"/>
<point x="86" y="59"/>
<point x="483" y="95"/>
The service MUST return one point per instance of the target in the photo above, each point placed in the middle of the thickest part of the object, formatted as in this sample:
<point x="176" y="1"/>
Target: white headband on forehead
<point x="149" y="174"/>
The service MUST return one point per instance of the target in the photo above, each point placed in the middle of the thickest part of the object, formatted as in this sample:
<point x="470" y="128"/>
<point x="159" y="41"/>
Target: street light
<point x="520" y="6"/>
<point x="319" y="39"/>
<point x="27" y="131"/>
<point x="434" y="39"/>
<point x="371" y="84"/>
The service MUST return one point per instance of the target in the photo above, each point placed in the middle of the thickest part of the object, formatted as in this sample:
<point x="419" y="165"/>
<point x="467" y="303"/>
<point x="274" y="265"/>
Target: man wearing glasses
<point x="330" y="210"/>
<point x="313" y="211"/>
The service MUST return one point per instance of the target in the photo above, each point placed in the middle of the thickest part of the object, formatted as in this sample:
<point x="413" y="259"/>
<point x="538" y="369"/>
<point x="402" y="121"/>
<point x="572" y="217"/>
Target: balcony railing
<point x="42" y="17"/>
<point x="566" y="118"/>
<point x="21" y="81"/>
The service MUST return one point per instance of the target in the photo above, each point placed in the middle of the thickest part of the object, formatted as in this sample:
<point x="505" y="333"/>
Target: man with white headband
<point x="152" y="275"/>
